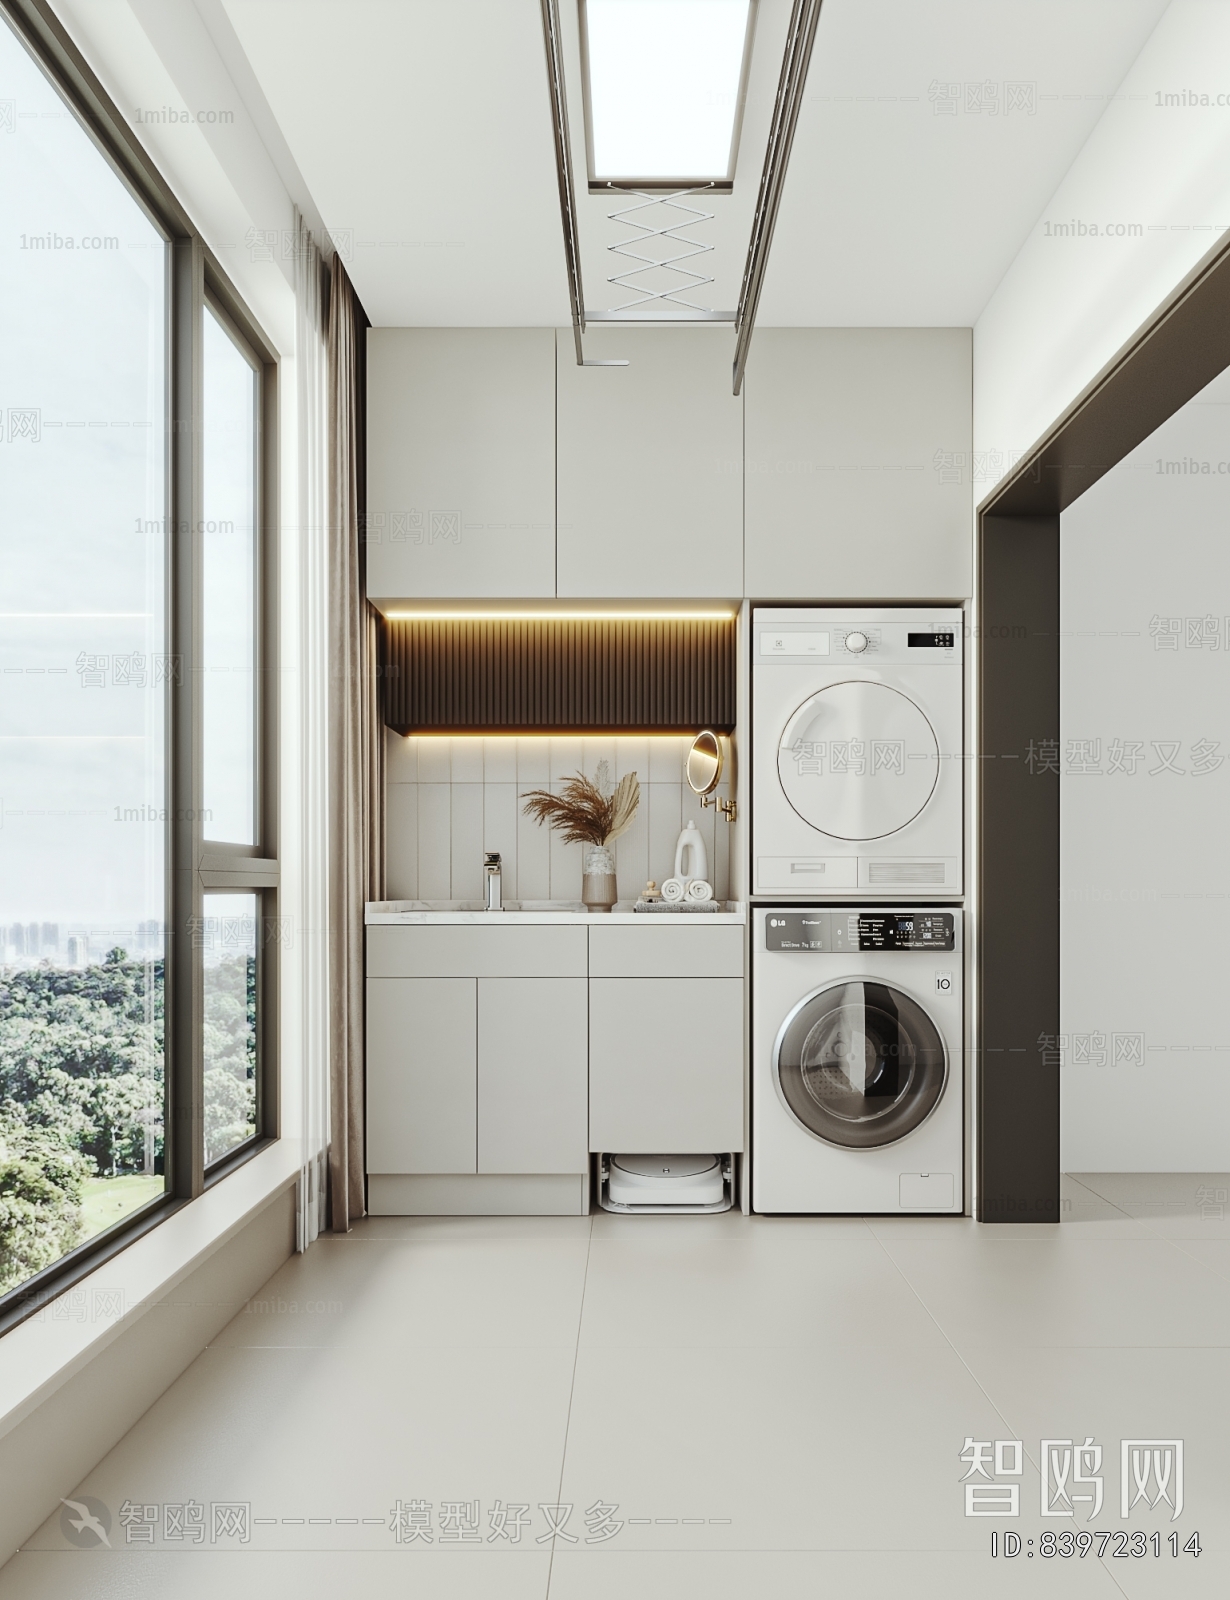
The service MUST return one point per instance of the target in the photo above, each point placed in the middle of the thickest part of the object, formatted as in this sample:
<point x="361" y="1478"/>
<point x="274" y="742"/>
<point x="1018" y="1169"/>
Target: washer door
<point x="858" y="760"/>
<point x="860" y="1064"/>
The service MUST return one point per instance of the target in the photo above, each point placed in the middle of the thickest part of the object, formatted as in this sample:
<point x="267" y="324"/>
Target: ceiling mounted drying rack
<point x="658" y="305"/>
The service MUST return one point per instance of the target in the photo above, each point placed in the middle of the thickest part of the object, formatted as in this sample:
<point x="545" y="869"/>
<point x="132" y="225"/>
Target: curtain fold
<point x="356" y="751"/>
<point x="304" y="893"/>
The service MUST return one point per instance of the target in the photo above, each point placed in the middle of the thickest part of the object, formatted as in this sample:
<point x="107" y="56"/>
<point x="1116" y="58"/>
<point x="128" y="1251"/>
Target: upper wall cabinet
<point x="460" y="462"/>
<point x="650" y="466"/>
<point x="858" y="464"/>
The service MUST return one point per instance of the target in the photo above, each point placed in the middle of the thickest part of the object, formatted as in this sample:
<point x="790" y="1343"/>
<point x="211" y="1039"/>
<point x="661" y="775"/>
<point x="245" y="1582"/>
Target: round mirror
<point x="704" y="764"/>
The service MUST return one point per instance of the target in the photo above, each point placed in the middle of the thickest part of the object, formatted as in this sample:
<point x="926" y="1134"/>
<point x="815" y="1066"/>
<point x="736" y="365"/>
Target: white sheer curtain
<point x="311" y="796"/>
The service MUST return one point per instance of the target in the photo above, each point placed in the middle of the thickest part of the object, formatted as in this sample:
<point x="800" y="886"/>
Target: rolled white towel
<point x="698" y="889"/>
<point x="673" y="890"/>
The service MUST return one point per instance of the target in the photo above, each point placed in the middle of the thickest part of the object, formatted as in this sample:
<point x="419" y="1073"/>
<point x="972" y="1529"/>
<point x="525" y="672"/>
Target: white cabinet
<point x="858" y="464"/>
<point x="460" y="462"/>
<point x="650" y="464"/>
<point x="422" y="1075"/>
<point x="532" y="1094"/>
<point x="665" y="1065"/>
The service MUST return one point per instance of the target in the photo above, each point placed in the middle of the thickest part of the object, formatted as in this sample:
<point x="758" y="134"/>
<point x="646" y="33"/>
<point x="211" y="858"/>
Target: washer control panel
<point x="832" y="932"/>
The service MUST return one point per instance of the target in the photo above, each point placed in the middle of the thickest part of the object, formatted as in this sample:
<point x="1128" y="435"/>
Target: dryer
<point x="857" y="752"/>
<point x="857" y="1059"/>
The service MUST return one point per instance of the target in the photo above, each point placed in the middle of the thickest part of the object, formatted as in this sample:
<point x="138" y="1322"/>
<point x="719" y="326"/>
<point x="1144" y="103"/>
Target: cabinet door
<point x="422" y="1075"/>
<point x="461" y="461"/>
<point x="532" y="1089"/>
<point x="650" y="466"/>
<point x="857" y="440"/>
<point x="665" y="1065"/>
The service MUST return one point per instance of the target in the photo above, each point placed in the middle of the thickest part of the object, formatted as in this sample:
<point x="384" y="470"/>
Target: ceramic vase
<point x="598" y="892"/>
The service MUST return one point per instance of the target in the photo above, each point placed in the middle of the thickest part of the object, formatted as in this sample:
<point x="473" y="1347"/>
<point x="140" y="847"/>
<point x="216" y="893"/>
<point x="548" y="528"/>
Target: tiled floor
<point x="756" y="1406"/>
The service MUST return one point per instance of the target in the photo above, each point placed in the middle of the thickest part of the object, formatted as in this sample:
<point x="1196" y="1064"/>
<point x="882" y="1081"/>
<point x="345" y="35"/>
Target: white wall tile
<point x="566" y="756"/>
<point x="666" y="758"/>
<point x="533" y="763"/>
<point x="401" y="757"/>
<point x="722" y="831"/>
<point x="402" y="823"/>
<point x="467" y="841"/>
<point x="565" y="868"/>
<point x="632" y="853"/>
<point x="632" y="755"/>
<point x="664" y="823"/>
<point x="500" y="831"/>
<point x="435" y="841"/>
<point x="500" y="760"/>
<point x="467" y="757"/>
<point x="533" y="854"/>
<point x="435" y="765"/>
<point x="595" y="750"/>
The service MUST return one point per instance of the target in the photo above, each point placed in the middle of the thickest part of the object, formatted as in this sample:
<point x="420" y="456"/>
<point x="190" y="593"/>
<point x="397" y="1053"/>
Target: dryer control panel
<point x="832" y="932"/>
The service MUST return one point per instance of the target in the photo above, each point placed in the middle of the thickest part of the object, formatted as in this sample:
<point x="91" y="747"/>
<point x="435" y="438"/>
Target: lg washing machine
<point x="857" y="1059"/>
<point x="857" y="752"/>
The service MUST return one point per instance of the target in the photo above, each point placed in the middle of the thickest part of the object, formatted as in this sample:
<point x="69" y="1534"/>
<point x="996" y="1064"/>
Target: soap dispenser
<point x="691" y="859"/>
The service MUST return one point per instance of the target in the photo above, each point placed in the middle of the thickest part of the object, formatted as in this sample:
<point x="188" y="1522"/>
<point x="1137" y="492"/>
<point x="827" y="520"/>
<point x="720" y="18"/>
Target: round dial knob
<point x="856" y="643"/>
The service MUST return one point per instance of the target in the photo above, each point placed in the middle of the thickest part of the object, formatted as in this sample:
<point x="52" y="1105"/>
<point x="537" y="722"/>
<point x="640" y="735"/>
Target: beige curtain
<point x="356" y="751"/>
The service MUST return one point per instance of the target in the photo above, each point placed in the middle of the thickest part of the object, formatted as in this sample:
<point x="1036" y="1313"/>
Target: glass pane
<point x="231" y="922"/>
<point x="229" y="541"/>
<point x="861" y="1064"/>
<point x="83" y="674"/>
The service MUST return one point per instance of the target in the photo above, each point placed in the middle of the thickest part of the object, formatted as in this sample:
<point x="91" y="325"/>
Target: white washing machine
<point x="857" y="752"/>
<point x="857" y="1059"/>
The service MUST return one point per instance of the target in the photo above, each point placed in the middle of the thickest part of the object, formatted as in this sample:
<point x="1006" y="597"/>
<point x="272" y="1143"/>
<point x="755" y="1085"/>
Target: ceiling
<point x="422" y="130"/>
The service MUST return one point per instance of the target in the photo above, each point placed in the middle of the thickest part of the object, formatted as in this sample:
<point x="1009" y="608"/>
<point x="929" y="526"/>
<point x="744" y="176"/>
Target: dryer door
<point x="860" y="1064"/>
<point x="858" y="760"/>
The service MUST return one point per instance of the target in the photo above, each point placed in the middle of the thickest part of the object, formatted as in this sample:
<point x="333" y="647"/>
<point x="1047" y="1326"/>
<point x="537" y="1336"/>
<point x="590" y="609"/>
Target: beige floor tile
<point x="800" y="1449"/>
<point x="1172" y="1205"/>
<point x="330" y="1434"/>
<point x="276" y="1575"/>
<point x="851" y="1574"/>
<point x="1064" y="1289"/>
<point x="439" y="1281"/>
<point x="747" y="1281"/>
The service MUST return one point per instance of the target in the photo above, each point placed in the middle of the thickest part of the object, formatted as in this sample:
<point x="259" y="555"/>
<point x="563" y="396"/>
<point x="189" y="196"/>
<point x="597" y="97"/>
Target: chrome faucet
<point x="491" y="868"/>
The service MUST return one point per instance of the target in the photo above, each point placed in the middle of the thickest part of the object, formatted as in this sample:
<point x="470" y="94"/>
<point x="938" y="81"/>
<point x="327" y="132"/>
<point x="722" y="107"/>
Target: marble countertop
<point x="443" y="912"/>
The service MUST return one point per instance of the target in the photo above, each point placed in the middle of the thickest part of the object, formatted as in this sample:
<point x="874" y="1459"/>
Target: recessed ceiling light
<point x="664" y="85"/>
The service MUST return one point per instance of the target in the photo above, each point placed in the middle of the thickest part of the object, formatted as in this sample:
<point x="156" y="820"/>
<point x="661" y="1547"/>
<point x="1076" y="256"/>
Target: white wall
<point x="1146" y="856"/>
<point x="1146" y="197"/>
<point x="451" y="799"/>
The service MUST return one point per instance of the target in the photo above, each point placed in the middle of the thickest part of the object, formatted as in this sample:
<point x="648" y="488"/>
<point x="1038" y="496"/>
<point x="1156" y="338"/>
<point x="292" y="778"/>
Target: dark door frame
<point x="1181" y="348"/>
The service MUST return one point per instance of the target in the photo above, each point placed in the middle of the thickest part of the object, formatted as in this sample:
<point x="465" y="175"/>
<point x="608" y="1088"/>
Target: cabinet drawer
<point x="661" y="950"/>
<point x="452" y="951"/>
<point x="666" y="1065"/>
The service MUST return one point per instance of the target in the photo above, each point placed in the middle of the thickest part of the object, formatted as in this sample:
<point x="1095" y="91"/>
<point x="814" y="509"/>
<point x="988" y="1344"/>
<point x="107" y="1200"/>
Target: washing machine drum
<point x="860" y="1064"/>
<point x="858" y="760"/>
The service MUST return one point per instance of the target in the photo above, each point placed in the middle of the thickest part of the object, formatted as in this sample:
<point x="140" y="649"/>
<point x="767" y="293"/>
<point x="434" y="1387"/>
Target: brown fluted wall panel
<point x="537" y="675"/>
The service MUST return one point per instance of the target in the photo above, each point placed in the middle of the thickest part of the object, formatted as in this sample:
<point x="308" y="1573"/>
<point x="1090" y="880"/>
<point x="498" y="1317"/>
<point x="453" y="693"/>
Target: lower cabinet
<point x="422" y="1078"/>
<point x="476" y="1075"/>
<point x="532" y="1099"/>
<point x="665" y="1065"/>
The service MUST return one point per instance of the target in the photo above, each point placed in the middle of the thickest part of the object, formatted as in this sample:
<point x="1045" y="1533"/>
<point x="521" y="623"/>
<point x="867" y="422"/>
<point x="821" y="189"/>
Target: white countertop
<point x="414" y="912"/>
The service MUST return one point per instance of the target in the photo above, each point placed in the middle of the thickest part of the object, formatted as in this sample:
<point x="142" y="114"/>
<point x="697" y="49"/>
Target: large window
<point x="133" y="734"/>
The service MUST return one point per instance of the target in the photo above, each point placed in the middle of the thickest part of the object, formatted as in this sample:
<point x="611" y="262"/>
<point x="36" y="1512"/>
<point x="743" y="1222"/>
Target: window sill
<point x="41" y="1353"/>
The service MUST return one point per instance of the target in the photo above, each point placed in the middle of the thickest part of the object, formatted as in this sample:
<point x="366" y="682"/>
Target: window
<point x="664" y="82"/>
<point x="135" y="713"/>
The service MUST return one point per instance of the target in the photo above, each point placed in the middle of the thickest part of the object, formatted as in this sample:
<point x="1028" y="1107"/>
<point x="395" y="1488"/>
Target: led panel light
<point x="664" y="84"/>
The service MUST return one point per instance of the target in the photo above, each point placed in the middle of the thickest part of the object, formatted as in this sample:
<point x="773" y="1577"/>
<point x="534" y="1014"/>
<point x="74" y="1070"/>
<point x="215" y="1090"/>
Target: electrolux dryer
<point x="857" y="1059"/>
<point x="857" y="752"/>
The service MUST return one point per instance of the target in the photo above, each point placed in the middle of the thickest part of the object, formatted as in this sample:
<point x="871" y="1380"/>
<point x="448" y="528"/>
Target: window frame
<point x="195" y="279"/>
